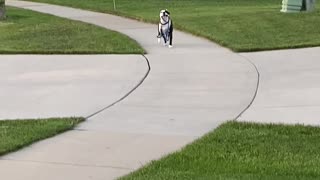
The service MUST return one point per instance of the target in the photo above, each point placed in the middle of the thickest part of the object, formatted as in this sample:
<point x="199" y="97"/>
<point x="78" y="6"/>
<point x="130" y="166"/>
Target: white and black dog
<point x="165" y="28"/>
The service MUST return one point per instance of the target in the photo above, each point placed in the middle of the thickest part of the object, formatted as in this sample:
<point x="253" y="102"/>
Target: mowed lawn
<point x="28" y="32"/>
<point x="15" y="134"/>
<point x="243" y="151"/>
<point x="242" y="25"/>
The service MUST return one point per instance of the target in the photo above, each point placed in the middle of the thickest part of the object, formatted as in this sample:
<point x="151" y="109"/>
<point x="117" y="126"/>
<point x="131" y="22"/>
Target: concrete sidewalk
<point x="289" y="87"/>
<point x="43" y="86"/>
<point x="191" y="89"/>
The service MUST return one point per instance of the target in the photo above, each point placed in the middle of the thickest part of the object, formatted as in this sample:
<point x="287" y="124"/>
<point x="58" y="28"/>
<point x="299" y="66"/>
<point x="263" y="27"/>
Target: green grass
<point x="15" y="134"/>
<point x="243" y="151"/>
<point x="242" y="25"/>
<point x="2" y="10"/>
<point x="29" y="32"/>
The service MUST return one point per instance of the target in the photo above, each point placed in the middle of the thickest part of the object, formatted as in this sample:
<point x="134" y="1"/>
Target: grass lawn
<point x="242" y="25"/>
<point x="29" y="32"/>
<point x="243" y="151"/>
<point x="15" y="134"/>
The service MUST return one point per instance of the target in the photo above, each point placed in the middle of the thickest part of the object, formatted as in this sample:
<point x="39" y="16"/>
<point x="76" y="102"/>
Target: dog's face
<point x="164" y="15"/>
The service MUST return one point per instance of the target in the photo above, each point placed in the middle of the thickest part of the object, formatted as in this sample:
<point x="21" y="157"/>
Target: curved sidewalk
<point x="190" y="90"/>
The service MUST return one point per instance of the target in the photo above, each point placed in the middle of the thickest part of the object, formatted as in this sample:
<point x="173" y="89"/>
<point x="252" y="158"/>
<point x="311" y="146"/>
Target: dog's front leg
<point x="163" y="36"/>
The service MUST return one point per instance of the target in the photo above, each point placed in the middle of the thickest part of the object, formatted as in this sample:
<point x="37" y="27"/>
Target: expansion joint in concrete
<point x="67" y="164"/>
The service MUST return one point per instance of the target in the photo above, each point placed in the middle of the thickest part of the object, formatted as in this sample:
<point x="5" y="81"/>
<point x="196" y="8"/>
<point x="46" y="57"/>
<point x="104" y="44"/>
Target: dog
<point x="165" y="28"/>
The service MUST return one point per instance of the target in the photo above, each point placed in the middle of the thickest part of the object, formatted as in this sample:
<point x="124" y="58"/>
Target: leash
<point x="166" y="22"/>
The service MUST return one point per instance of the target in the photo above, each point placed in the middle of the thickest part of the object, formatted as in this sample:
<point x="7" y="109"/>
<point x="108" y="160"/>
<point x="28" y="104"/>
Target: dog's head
<point x="164" y="15"/>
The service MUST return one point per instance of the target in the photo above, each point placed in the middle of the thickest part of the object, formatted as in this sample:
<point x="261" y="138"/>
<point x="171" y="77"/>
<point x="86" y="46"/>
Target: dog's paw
<point x="159" y="40"/>
<point x="170" y="46"/>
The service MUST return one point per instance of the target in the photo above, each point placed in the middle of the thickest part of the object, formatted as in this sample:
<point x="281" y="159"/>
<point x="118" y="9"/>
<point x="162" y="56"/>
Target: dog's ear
<point x="167" y="11"/>
<point x="162" y="12"/>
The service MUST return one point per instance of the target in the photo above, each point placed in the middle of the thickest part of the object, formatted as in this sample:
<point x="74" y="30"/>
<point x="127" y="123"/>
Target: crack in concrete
<point x="126" y="95"/>
<point x="257" y="87"/>
<point x="67" y="164"/>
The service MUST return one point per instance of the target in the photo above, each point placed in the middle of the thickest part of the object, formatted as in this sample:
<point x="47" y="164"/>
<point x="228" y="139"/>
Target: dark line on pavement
<point x="257" y="87"/>
<point x="67" y="164"/>
<point x="126" y="95"/>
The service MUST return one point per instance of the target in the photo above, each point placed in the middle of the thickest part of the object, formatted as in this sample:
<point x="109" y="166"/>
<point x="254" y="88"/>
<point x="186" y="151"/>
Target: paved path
<point x="289" y="87"/>
<point x="189" y="91"/>
<point x="66" y="85"/>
